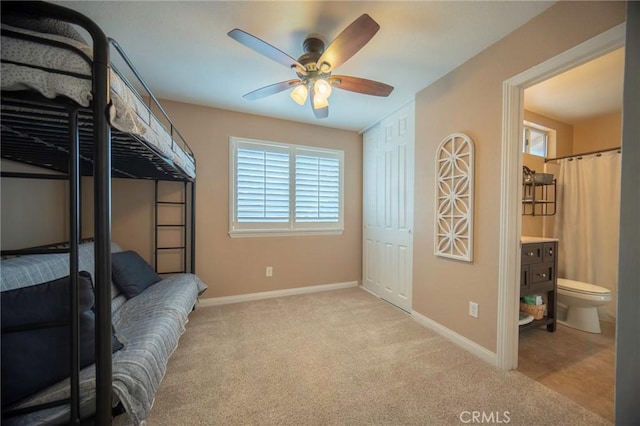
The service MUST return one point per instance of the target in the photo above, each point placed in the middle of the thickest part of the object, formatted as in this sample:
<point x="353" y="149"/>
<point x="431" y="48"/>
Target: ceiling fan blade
<point x="271" y="89"/>
<point x="352" y="39"/>
<point x="360" y="85"/>
<point x="263" y="48"/>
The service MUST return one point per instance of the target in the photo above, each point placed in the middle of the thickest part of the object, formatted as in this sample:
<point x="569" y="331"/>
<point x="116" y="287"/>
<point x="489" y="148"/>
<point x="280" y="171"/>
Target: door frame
<point x="511" y="189"/>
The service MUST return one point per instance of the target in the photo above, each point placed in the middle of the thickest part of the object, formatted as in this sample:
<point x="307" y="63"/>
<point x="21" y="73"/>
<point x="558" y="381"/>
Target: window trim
<point x="551" y="138"/>
<point x="291" y="227"/>
<point x="526" y="140"/>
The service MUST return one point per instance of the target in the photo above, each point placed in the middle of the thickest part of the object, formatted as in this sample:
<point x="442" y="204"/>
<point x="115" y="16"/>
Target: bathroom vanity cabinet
<point x="539" y="264"/>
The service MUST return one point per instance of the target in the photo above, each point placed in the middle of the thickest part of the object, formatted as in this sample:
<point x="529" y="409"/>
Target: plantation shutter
<point x="278" y="189"/>
<point x="317" y="187"/>
<point x="262" y="183"/>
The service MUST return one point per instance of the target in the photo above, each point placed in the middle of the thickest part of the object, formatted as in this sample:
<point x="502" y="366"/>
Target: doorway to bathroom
<point x="510" y="208"/>
<point x="571" y="136"/>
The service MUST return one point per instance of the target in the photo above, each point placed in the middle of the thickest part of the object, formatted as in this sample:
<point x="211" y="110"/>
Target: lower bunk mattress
<point x="149" y="325"/>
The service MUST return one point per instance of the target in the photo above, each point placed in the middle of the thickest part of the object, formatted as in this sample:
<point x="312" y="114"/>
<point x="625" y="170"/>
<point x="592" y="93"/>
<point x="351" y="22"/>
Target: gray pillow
<point x="35" y="343"/>
<point x="131" y="273"/>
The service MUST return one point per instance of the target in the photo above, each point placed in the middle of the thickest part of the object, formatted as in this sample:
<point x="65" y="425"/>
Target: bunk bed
<point x="66" y="108"/>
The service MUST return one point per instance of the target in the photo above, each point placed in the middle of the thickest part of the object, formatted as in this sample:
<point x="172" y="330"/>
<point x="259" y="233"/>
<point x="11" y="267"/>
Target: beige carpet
<point x="340" y="357"/>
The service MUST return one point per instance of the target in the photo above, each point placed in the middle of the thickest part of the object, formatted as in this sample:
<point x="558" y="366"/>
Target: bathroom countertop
<point x="528" y="240"/>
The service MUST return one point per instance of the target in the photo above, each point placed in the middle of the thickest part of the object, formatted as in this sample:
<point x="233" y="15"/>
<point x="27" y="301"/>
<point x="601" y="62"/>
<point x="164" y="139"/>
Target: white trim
<point x="370" y="292"/>
<point x="510" y="231"/>
<point x="225" y="300"/>
<point x="469" y="345"/>
<point x="257" y="233"/>
<point x="595" y="47"/>
<point x="550" y="149"/>
<point x="511" y="190"/>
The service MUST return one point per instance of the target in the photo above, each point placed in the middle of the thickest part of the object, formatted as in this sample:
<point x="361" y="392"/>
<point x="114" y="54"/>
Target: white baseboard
<point x="369" y="291"/>
<point x="225" y="300"/>
<point x="473" y="347"/>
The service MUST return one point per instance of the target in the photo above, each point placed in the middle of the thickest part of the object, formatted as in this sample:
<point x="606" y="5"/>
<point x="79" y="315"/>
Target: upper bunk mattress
<point x="56" y="65"/>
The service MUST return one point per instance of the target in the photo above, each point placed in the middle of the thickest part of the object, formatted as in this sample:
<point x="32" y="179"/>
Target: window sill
<point x="253" y="233"/>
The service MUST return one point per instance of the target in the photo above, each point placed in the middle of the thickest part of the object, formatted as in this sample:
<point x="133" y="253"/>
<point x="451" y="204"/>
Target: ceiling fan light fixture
<point x="322" y="88"/>
<point x="299" y="69"/>
<point x="320" y="102"/>
<point x="299" y="94"/>
<point x="325" y="67"/>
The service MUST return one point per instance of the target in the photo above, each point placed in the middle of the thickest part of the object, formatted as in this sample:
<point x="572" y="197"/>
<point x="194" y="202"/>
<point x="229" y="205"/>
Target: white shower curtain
<point x="587" y="223"/>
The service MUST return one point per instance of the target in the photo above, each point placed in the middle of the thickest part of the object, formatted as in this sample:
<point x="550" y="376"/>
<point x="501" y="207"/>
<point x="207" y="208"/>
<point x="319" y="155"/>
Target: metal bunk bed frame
<point x="102" y="173"/>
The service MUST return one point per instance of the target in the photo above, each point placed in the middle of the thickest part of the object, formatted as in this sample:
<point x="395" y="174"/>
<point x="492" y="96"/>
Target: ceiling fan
<point x="315" y="66"/>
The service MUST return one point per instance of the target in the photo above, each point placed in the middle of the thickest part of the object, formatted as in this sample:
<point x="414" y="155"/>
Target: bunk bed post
<point x="74" y="216"/>
<point x="185" y="219"/>
<point x="102" y="192"/>
<point x="193" y="226"/>
<point x="102" y="228"/>
<point x="155" y="226"/>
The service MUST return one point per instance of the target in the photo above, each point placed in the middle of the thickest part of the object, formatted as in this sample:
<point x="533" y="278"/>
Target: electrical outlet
<point x="473" y="309"/>
<point x="269" y="271"/>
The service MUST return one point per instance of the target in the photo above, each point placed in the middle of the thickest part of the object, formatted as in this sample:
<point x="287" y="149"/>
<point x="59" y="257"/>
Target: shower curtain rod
<point x="584" y="153"/>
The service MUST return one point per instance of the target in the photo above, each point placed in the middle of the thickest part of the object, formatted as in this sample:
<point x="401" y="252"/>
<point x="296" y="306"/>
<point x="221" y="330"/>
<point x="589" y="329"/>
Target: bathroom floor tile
<point x="574" y="363"/>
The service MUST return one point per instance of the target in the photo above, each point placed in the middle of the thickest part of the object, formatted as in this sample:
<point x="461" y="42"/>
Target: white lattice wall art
<point x="454" y="198"/>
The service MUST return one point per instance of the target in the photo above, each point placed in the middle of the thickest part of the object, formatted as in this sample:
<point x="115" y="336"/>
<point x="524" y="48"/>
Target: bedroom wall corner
<point x="233" y="267"/>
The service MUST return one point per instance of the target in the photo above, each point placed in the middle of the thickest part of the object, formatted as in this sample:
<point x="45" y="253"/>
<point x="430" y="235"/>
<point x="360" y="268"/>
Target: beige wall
<point x="132" y="214"/>
<point x="598" y="133"/>
<point x="32" y="213"/>
<point x="237" y="266"/>
<point x="469" y="100"/>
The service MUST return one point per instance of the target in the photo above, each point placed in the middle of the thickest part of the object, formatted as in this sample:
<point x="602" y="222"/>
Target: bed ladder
<point x="164" y="230"/>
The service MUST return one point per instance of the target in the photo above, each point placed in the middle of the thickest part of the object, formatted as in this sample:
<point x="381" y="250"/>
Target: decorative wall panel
<point x="454" y="197"/>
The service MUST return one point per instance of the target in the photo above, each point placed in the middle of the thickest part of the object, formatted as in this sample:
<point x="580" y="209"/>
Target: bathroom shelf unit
<point x="539" y="264"/>
<point x="539" y="199"/>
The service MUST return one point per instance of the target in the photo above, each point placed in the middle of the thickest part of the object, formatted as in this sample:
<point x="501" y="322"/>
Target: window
<point x="282" y="189"/>
<point x="534" y="141"/>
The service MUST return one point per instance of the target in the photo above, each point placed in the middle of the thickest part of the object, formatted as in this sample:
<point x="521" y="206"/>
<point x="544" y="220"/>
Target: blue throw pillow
<point x="131" y="273"/>
<point x="36" y="336"/>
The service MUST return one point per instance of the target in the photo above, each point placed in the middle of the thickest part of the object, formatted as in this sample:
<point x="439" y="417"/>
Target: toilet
<point x="582" y="301"/>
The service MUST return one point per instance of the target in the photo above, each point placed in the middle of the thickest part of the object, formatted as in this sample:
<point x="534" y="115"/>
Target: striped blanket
<point x="149" y="325"/>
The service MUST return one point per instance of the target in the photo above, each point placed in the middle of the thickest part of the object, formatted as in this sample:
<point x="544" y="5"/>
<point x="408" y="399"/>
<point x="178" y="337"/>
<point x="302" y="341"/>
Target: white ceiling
<point x="589" y="90"/>
<point x="183" y="51"/>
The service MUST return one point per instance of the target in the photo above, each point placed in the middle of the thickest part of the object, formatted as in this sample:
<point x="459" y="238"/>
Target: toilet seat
<point x="580" y="287"/>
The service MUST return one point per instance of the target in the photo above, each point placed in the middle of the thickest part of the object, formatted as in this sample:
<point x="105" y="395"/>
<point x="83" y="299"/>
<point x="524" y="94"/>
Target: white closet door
<point x="388" y="161"/>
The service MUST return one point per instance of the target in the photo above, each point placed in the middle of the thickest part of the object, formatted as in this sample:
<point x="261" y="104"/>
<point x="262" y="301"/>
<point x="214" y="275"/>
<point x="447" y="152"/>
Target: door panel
<point x="388" y="207"/>
<point x="390" y="268"/>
